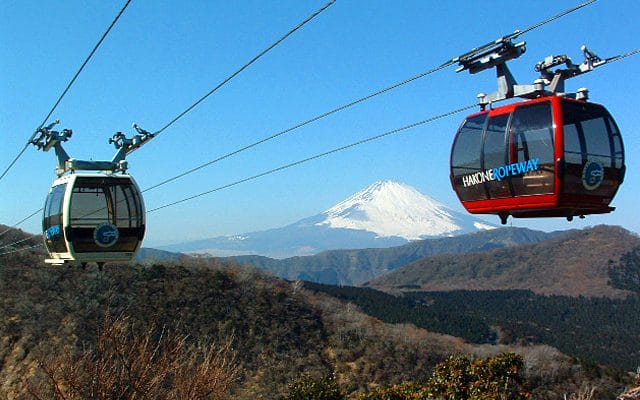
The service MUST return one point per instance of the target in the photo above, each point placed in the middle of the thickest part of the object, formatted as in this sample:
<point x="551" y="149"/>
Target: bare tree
<point x="585" y="393"/>
<point x="634" y="393"/>
<point x="130" y="363"/>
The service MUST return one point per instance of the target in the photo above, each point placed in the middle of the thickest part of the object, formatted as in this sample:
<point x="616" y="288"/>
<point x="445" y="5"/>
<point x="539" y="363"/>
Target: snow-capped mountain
<point x="385" y="214"/>
<point x="389" y="208"/>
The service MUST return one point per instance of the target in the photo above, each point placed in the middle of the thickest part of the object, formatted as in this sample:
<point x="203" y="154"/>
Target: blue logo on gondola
<point x="53" y="232"/>
<point x="592" y="175"/>
<point x="106" y="235"/>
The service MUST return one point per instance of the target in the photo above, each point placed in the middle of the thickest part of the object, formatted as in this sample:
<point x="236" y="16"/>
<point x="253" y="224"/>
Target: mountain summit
<point x="384" y="214"/>
<point x="389" y="208"/>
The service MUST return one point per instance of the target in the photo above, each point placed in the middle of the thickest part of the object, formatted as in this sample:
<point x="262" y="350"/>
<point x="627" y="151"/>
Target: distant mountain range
<point x="385" y="214"/>
<point x="355" y="267"/>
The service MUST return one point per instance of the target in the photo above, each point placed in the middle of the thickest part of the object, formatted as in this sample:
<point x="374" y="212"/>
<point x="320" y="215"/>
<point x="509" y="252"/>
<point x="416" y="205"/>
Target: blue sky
<point x="163" y="55"/>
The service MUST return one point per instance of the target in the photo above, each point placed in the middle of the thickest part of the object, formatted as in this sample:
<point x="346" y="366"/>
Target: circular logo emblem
<point x="592" y="175"/>
<point x="106" y="235"/>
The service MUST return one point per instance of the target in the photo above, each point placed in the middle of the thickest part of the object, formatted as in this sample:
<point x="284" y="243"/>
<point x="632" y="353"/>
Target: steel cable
<point x="296" y="163"/>
<point x="355" y="102"/>
<point x="66" y="90"/>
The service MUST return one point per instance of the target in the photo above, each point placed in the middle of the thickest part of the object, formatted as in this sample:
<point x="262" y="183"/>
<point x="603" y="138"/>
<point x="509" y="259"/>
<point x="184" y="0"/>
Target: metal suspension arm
<point x="46" y="138"/>
<point x="126" y="146"/>
<point x="571" y="70"/>
<point x="504" y="50"/>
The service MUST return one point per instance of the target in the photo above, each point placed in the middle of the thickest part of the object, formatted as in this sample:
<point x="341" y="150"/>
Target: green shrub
<point x="308" y="388"/>
<point x="460" y="378"/>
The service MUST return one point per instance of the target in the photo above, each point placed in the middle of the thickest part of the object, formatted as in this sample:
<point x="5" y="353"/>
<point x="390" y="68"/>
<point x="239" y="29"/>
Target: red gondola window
<point x="465" y="158"/>
<point x="494" y="155"/>
<point x="532" y="140"/>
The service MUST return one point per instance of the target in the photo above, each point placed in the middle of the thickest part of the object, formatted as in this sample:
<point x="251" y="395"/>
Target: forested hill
<point x="354" y="267"/>
<point x="600" y="330"/>
<point x="581" y="263"/>
<point x="56" y="323"/>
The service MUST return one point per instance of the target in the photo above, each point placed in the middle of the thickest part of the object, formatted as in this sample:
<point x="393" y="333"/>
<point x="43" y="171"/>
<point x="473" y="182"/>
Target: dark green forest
<point x="594" y="330"/>
<point x="355" y="267"/>
<point x="625" y="273"/>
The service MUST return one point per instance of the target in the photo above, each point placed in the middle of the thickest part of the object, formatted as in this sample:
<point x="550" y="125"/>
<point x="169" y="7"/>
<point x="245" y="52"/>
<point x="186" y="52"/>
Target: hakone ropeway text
<point x="500" y="173"/>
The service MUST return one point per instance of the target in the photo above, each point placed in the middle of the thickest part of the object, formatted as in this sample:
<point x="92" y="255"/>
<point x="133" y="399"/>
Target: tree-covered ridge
<point x="400" y="310"/>
<point x="601" y="330"/>
<point x="44" y="309"/>
<point x="458" y="377"/>
<point x="576" y="264"/>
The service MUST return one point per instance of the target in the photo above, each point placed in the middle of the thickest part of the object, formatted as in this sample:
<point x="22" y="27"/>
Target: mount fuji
<point x="389" y="208"/>
<point x="385" y="214"/>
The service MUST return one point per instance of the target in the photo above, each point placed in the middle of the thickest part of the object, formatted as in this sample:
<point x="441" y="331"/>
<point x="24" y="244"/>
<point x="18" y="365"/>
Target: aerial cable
<point x="191" y="107"/>
<point x="444" y="65"/>
<point x="66" y="90"/>
<point x="609" y="60"/>
<point x="555" y="17"/>
<point x="21" y="249"/>
<point x="360" y="100"/>
<point x="4" y="246"/>
<point x="21" y="221"/>
<point x="623" y="56"/>
<point x="86" y="61"/>
<point x="277" y="169"/>
<point x="245" y="66"/>
<point x="336" y="150"/>
<point x="517" y="33"/>
<point x="300" y="125"/>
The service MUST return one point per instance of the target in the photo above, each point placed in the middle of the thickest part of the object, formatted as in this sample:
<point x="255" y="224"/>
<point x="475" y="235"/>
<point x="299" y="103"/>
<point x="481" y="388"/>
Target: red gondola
<point x="553" y="154"/>
<point x="547" y="157"/>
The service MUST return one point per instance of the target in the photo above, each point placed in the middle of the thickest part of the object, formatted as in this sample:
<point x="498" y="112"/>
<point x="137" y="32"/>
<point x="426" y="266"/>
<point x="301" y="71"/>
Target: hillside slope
<point x="601" y="330"/>
<point x="576" y="264"/>
<point x="277" y="329"/>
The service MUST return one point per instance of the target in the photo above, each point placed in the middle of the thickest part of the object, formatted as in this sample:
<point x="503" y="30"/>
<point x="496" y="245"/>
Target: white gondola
<point x="93" y="218"/>
<point x="94" y="211"/>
